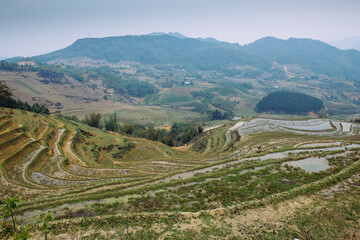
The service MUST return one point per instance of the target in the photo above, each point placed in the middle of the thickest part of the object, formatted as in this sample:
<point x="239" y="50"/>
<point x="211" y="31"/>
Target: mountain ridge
<point x="212" y="54"/>
<point x="158" y="49"/>
<point x="315" y="55"/>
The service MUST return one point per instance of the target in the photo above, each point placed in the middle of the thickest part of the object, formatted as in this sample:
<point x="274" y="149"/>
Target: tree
<point x="9" y="205"/>
<point x="217" y="115"/>
<point x="46" y="227"/>
<point x="200" y="128"/>
<point x="23" y="235"/>
<point x="4" y="91"/>
<point x="4" y="65"/>
<point x="111" y="124"/>
<point x="6" y="100"/>
<point x="93" y="120"/>
<point x="129" y="128"/>
<point x="152" y="133"/>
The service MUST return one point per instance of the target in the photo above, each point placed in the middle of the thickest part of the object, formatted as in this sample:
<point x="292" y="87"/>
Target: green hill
<point x="314" y="55"/>
<point x="160" y="49"/>
<point x="289" y="102"/>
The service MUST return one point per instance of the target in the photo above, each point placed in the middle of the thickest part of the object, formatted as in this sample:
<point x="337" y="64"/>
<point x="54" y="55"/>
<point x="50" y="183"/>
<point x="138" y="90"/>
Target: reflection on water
<point x="320" y="144"/>
<point x="310" y="164"/>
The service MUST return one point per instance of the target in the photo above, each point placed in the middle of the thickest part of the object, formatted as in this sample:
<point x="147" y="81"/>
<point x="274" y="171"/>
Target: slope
<point x="83" y="182"/>
<point x="159" y="49"/>
<point x="311" y="54"/>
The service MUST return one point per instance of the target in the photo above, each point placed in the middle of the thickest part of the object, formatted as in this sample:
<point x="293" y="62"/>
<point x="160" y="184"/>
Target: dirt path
<point x="53" y="165"/>
<point x="70" y="154"/>
<point x="161" y="151"/>
<point x="233" y="128"/>
<point x="56" y="148"/>
<point x="213" y="127"/>
<point x="31" y="157"/>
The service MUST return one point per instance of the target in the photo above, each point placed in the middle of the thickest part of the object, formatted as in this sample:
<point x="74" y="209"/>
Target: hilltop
<point x="289" y="103"/>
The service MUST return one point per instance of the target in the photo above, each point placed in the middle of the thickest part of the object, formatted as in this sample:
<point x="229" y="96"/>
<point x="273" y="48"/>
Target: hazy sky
<point x="32" y="27"/>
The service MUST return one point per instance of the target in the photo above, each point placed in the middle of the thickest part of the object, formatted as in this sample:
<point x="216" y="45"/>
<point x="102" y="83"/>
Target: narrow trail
<point x="31" y="157"/>
<point x="161" y="151"/>
<point x="56" y="148"/>
<point x="213" y="127"/>
<point x="70" y="154"/>
<point x="54" y="166"/>
<point x="55" y="162"/>
<point x="228" y="133"/>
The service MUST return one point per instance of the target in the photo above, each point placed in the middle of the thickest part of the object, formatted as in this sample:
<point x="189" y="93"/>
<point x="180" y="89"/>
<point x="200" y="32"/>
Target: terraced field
<point x="103" y="185"/>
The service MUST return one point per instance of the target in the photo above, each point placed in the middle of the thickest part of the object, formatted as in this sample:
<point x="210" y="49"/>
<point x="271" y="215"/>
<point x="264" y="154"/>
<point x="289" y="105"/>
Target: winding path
<point x="70" y="154"/>
<point x="233" y="128"/>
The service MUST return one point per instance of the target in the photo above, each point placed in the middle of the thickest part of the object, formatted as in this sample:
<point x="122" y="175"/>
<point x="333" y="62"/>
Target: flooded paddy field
<point x="236" y="164"/>
<point x="316" y="127"/>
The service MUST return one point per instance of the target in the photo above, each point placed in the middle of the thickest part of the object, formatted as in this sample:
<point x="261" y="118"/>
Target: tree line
<point x="179" y="134"/>
<point x="6" y="100"/>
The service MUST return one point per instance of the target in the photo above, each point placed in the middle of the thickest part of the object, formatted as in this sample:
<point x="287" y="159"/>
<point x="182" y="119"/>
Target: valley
<point x="166" y="137"/>
<point x="178" y="80"/>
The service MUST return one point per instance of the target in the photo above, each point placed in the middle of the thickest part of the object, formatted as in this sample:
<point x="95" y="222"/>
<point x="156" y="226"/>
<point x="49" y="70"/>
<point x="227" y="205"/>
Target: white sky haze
<point x="33" y="27"/>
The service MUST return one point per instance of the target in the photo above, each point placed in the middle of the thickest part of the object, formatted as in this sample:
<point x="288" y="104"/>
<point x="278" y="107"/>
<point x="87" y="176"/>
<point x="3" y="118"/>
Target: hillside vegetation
<point x="315" y="55"/>
<point x="93" y="181"/>
<point x="139" y="142"/>
<point x="170" y="76"/>
<point x="161" y="49"/>
<point x="289" y="102"/>
<point x="193" y="53"/>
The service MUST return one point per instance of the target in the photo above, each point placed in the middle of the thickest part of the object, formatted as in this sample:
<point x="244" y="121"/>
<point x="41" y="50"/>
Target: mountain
<point x="347" y="43"/>
<point x="160" y="49"/>
<point x="315" y="55"/>
<point x="211" y="54"/>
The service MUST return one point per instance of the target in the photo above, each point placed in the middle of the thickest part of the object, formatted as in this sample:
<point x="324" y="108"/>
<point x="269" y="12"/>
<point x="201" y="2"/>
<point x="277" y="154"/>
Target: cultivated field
<point x="257" y="178"/>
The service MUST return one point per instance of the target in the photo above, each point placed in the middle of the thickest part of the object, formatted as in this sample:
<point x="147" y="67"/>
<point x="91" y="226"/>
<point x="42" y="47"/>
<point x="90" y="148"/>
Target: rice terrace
<point x="141" y="120"/>
<point x="243" y="167"/>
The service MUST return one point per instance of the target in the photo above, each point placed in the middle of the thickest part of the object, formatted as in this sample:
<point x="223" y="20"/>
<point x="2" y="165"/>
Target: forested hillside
<point x="192" y="53"/>
<point x="317" y="56"/>
<point x="160" y="49"/>
<point x="289" y="102"/>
